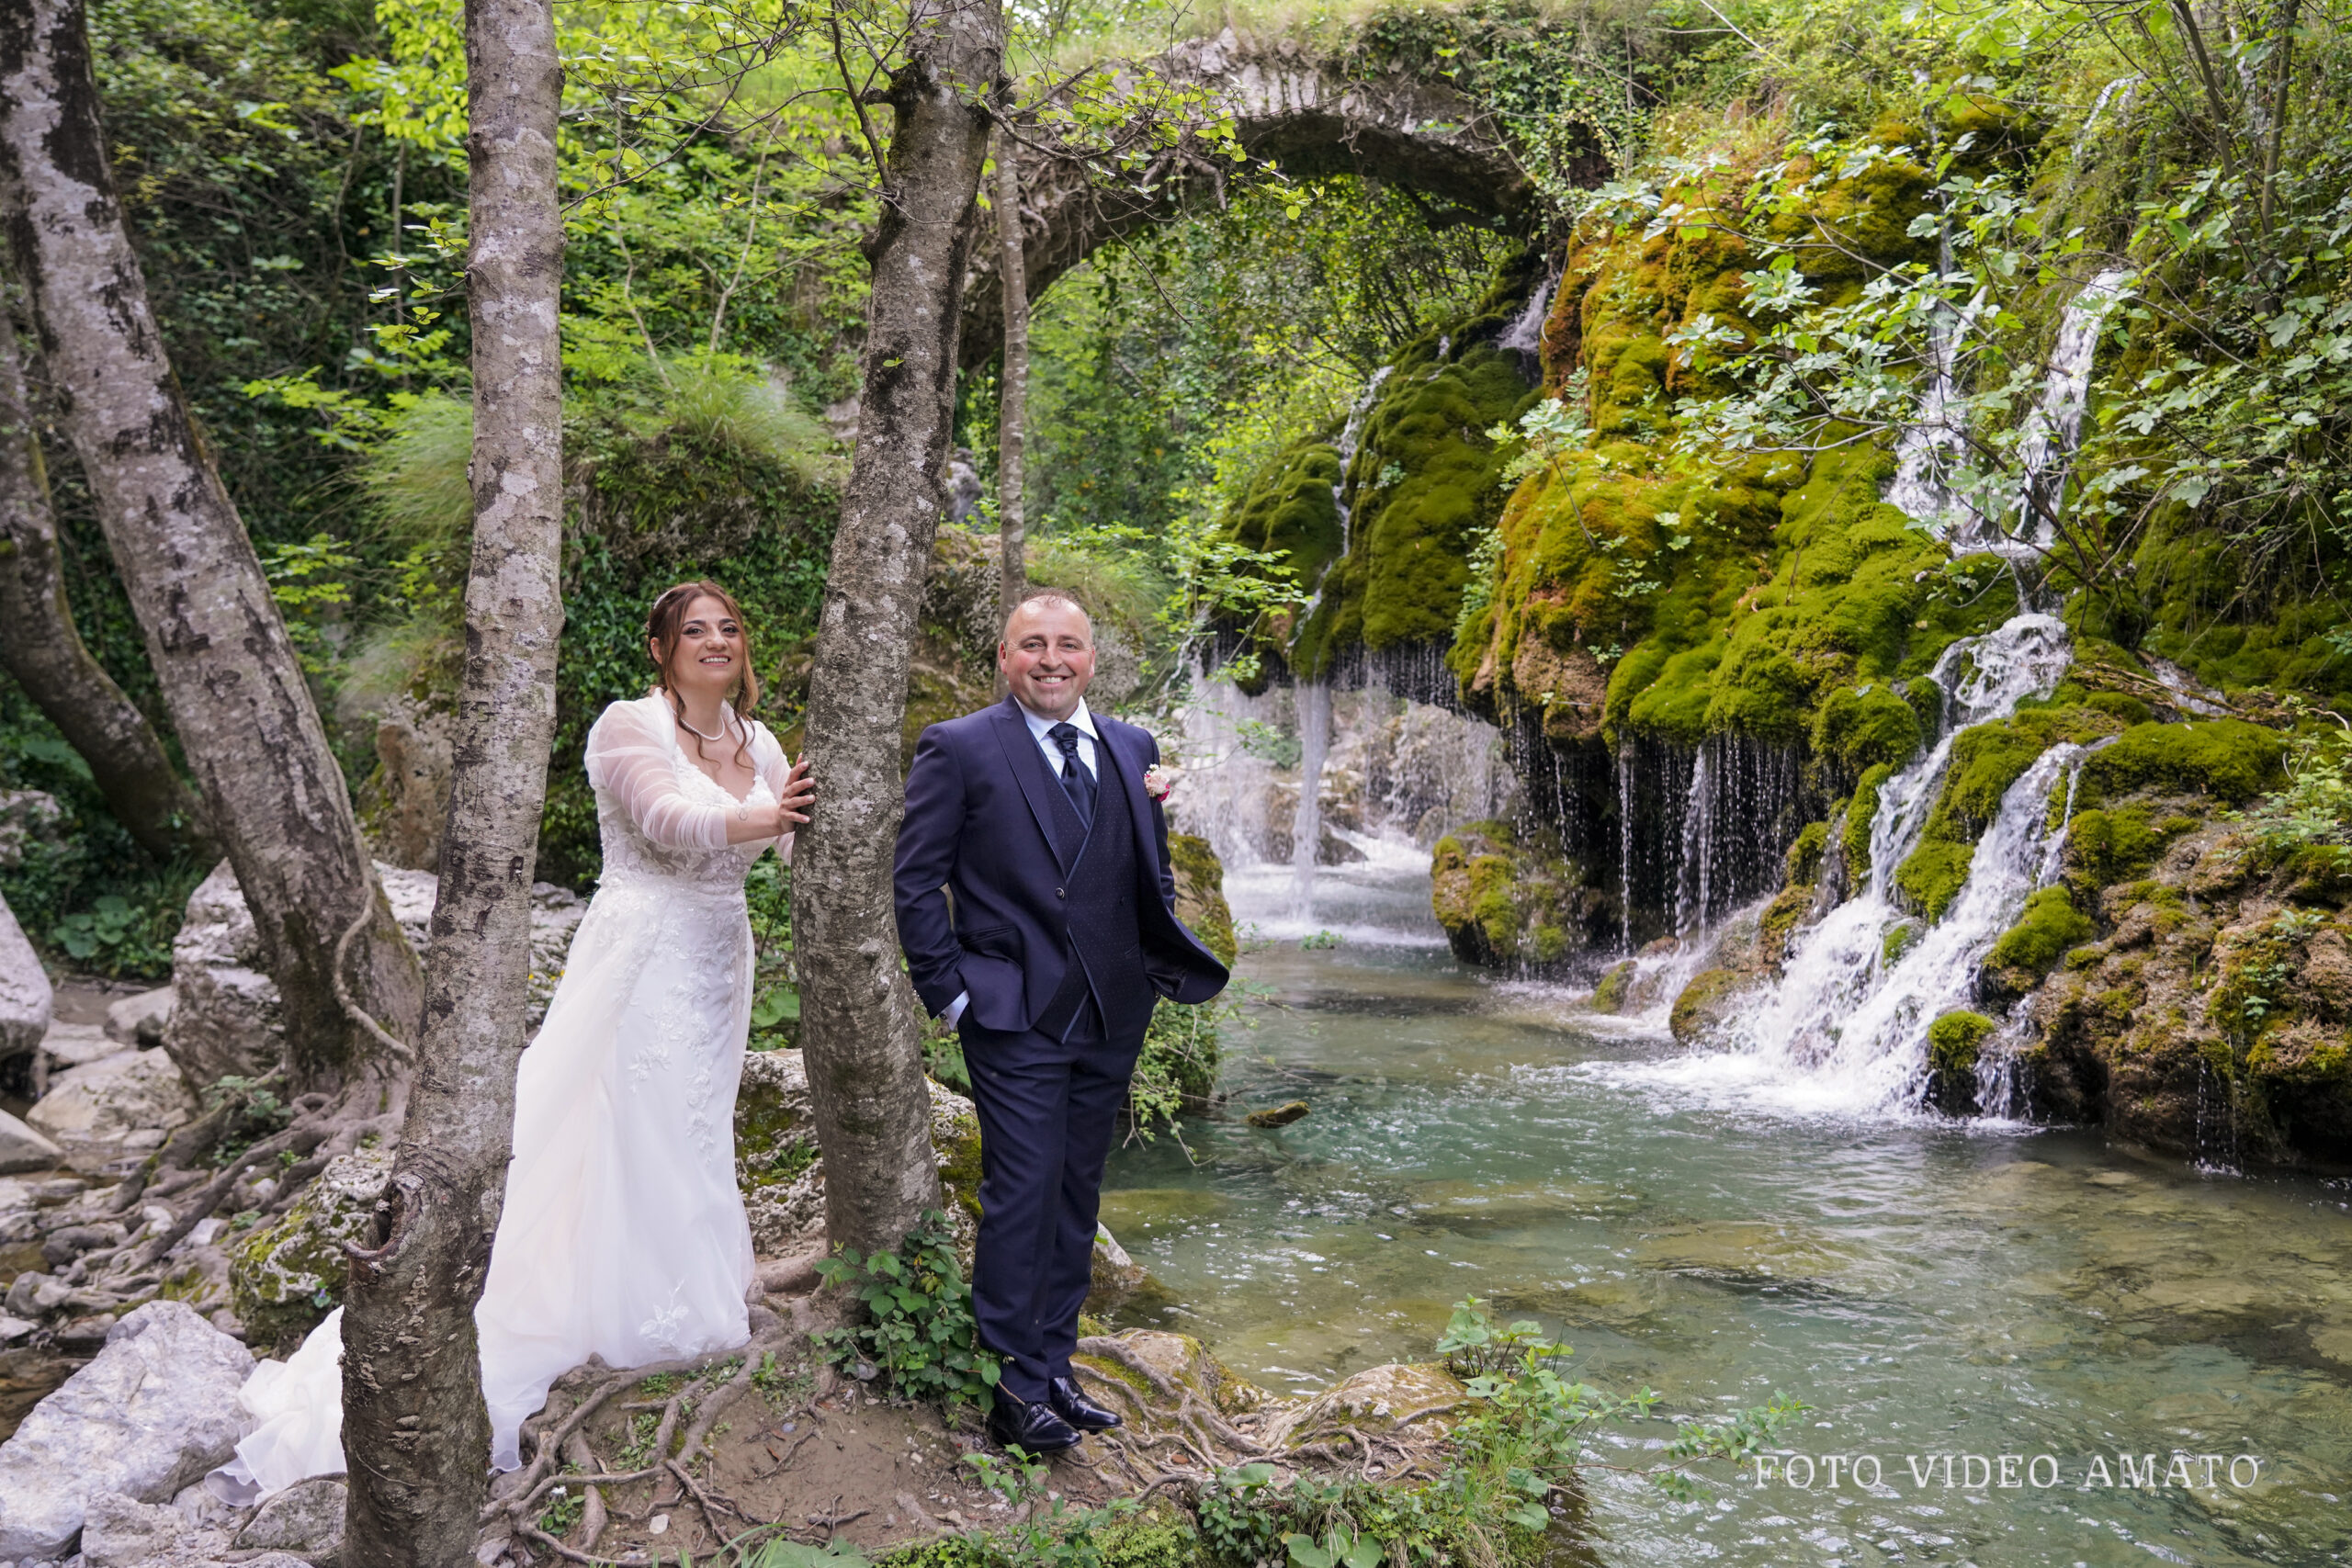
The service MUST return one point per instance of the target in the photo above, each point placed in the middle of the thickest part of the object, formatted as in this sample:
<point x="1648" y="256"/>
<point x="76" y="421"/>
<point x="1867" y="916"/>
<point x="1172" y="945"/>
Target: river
<point x="1932" y="1288"/>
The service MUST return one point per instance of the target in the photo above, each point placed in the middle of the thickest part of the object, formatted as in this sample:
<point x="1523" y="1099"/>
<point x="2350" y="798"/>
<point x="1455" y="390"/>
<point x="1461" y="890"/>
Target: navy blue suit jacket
<point x="980" y="802"/>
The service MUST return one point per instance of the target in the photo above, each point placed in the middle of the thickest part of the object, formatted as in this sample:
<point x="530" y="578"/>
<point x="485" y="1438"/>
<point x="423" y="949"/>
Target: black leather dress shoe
<point x="1036" y="1427"/>
<point x="1072" y="1405"/>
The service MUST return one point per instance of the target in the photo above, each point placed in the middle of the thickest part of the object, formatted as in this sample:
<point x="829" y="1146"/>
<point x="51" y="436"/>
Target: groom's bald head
<point x="1038" y="598"/>
<point x="1047" y="653"/>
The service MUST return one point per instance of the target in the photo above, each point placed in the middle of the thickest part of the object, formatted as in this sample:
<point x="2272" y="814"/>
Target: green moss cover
<point x="2047" y="929"/>
<point x="2226" y="757"/>
<point x="1289" y="507"/>
<point x="1986" y="758"/>
<point x="1512" y="900"/>
<point x="1954" y="1040"/>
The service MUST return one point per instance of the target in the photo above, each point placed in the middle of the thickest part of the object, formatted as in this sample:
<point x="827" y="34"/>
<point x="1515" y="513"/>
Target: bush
<point x="919" y="1338"/>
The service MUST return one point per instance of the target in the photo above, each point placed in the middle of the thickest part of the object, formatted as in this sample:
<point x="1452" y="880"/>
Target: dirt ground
<point x="874" y="1472"/>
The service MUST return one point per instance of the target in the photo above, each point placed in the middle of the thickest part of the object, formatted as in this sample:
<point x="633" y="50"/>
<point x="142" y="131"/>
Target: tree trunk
<point x="414" y="1420"/>
<point x="40" y="647"/>
<point x="229" y="678"/>
<point x="858" y="1031"/>
<point x="1012" y="408"/>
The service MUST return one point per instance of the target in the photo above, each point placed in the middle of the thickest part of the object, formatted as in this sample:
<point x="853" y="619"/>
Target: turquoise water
<point x="1930" y="1289"/>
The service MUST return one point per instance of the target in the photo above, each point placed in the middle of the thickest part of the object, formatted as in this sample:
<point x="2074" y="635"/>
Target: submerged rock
<point x="155" y="1410"/>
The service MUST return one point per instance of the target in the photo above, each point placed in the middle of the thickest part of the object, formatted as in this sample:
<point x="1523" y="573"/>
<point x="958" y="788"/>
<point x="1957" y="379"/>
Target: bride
<point x="623" y="1232"/>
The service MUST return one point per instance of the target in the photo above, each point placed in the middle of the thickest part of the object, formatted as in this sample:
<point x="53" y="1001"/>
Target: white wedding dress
<point x="623" y="1233"/>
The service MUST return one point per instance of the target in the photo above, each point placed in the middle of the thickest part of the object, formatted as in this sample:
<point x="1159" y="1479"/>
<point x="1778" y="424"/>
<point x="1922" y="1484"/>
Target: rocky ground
<point x="127" y="1330"/>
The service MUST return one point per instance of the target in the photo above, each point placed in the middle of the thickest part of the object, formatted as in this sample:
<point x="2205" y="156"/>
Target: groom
<point x="1054" y="938"/>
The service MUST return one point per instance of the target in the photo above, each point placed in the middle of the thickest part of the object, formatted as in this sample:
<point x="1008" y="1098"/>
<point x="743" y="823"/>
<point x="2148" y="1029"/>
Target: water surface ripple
<point x="1930" y="1288"/>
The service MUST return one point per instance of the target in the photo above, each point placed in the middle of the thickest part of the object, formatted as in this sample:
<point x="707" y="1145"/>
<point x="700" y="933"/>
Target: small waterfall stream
<point x="1314" y="698"/>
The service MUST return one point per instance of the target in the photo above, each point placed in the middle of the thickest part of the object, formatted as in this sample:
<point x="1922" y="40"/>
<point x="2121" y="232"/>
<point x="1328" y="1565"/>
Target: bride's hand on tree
<point x="799" y="794"/>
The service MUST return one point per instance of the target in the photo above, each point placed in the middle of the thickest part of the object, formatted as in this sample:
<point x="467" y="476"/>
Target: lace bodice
<point x="662" y="817"/>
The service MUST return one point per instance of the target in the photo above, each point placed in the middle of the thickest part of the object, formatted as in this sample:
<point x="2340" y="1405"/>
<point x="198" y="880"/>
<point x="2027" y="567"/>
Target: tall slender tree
<point x="43" y="650"/>
<point x="858" y="1031"/>
<point x="229" y="678"/>
<point x="414" y="1425"/>
<point x="1012" y="402"/>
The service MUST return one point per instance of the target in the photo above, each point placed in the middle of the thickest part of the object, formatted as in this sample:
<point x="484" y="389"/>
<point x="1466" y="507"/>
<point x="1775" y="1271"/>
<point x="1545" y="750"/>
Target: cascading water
<point x="1314" y="698"/>
<point x="2054" y="428"/>
<point x="1845" y="1027"/>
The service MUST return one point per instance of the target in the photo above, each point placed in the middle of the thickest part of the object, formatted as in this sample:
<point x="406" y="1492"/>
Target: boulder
<point x="155" y="1410"/>
<point x="77" y="1046"/>
<point x="1379" y="1399"/>
<point x="141" y="1019"/>
<point x="286" y="1276"/>
<point x="119" y="1105"/>
<point x="783" y="1178"/>
<point x="25" y="994"/>
<point x="306" y="1518"/>
<point x="119" y="1531"/>
<point x="21" y="1148"/>
<point x="1117" y="1279"/>
<point x="1143" y="1361"/>
<point x="225" y="1011"/>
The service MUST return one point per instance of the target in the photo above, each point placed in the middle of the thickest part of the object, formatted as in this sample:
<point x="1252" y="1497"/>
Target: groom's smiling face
<point x="1047" y="656"/>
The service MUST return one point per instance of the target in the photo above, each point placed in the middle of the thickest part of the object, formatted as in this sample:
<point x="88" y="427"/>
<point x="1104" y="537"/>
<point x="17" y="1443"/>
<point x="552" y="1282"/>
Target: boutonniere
<point x="1158" y="779"/>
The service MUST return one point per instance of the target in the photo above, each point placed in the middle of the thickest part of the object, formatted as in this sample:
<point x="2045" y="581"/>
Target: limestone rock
<point x="1200" y="893"/>
<point x="1512" y="900"/>
<point x="1710" y="998"/>
<point x="225" y="1011"/>
<point x="119" y="1531"/>
<point x="155" y="1410"/>
<point x="21" y="1148"/>
<point x="277" y="1273"/>
<point x="25" y="994"/>
<point x="141" y="1019"/>
<point x="1379" y="1399"/>
<point x="68" y="1045"/>
<point x="1177" y="1361"/>
<point x="28" y="817"/>
<point x="782" y="1178"/>
<point x="1117" y="1280"/>
<point x="116" y="1106"/>
<point x="306" y="1518"/>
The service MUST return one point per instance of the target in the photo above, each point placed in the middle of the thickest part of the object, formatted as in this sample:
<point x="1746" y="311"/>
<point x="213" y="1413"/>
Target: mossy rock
<point x="1986" y="758"/>
<point x="2227" y="759"/>
<point x="1507" y="900"/>
<point x="1707" y="1001"/>
<point x="1200" y="893"/>
<point x="1615" y="988"/>
<point x="1781" y="918"/>
<point x="1954" y="1042"/>
<point x="2047" y="929"/>
<point x="284" y="1277"/>
<point x="1807" y="852"/>
<point x="1418" y="1398"/>
<point x="781" y="1172"/>
<point x="2119" y="843"/>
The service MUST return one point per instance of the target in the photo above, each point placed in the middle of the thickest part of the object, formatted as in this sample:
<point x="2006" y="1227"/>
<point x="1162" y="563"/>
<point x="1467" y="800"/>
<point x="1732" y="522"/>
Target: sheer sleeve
<point x="775" y="768"/>
<point x="629" y="759"/>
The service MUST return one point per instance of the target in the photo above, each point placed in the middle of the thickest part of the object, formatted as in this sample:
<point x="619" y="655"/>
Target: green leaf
<point x="1305" y="1552"/>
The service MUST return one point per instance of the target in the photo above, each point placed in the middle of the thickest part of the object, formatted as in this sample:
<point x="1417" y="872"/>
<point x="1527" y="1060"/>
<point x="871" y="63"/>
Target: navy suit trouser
<point x="1048" y="1109"/>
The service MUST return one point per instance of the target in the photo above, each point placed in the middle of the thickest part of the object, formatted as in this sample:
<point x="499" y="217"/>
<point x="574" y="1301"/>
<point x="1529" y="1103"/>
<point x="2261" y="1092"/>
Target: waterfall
<point x="2054" y="428"/>
<point x="1351" y="437"/>
<point x="1314" y="698"/>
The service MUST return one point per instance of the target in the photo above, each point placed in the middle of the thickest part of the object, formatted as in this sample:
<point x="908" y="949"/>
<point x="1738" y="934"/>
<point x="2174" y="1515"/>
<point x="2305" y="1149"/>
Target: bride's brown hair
<point x="662" y="626"/>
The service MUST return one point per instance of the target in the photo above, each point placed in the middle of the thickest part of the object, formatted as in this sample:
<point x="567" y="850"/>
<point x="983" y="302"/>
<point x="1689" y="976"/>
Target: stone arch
<point x="1300" y="111"/>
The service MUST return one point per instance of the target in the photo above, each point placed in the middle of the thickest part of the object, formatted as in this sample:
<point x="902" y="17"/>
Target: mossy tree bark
<point x="858" y="1031"/>
<point x="1012" y="408"/>
<point x="229" y="675"/>
<point x="42" y="649"/>
<point x="413" y="1419"/>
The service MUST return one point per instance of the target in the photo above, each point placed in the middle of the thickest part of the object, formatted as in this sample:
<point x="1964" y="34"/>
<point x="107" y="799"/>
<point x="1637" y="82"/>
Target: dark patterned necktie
<point x="1076" y="780"/>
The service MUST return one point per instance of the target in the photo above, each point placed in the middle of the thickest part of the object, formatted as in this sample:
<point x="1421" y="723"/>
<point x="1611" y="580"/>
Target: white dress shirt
<point x="1040" y="727"/>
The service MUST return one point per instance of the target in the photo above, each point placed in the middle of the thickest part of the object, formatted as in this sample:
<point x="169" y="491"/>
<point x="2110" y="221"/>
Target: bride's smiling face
<point x="709" y="654"/>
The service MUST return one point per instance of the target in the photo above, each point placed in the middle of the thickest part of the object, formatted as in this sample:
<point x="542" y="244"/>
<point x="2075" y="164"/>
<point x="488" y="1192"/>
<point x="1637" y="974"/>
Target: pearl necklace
<point x="690" y="729"/>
